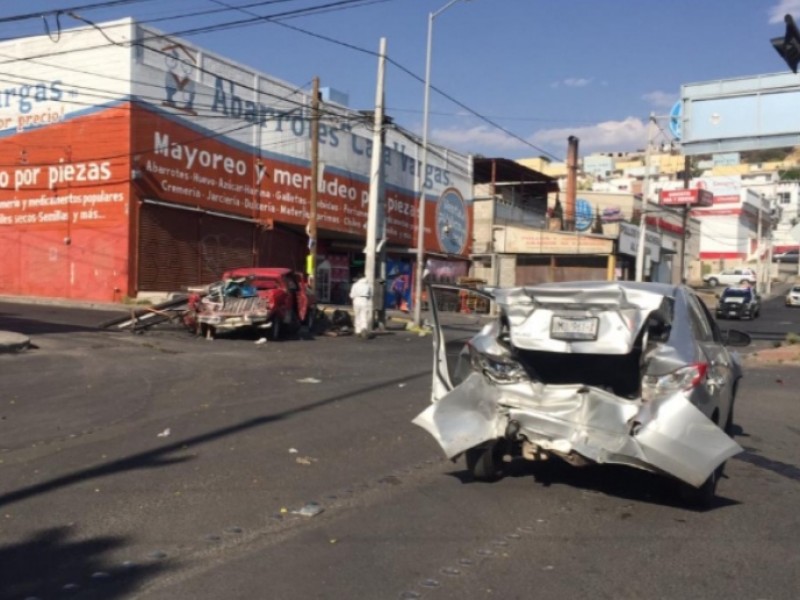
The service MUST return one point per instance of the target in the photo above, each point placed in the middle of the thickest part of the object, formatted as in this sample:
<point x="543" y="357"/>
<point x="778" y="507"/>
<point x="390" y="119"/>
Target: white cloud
<point x="783" y="7"/>
<point x="481" y="138"/>
<point x="628" y="134"/>
<point x="572" y="82"/>
<point x="660" y="99"/>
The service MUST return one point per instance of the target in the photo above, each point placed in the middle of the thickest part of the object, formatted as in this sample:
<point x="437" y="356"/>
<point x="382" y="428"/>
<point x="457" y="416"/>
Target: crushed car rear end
<point x="590" y="372"/>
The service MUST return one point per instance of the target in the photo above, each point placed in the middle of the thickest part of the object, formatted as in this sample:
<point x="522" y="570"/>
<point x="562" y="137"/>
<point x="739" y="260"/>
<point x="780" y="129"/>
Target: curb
<point x="13" y="342"/>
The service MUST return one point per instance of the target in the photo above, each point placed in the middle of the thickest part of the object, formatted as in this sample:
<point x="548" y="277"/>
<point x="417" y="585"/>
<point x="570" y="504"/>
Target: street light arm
<point x="436" y="13"/>
<point x="423" y="175"/>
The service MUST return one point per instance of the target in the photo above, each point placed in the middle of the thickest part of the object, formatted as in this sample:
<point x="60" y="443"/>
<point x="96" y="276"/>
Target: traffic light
<point x="788" y="46"/>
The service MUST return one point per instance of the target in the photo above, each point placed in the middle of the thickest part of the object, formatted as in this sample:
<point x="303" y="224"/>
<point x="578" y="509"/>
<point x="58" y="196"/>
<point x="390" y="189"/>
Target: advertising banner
<point x="224" y="137"/>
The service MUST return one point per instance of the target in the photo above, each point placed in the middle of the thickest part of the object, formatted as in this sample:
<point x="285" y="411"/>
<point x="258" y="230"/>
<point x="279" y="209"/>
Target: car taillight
<point x="684" y="379"/>
<point x="499" y="369"/>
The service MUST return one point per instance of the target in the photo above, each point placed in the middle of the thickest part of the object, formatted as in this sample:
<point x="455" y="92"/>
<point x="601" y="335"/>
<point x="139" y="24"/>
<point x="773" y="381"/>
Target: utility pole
<point x="640" y="253"/>
<point x="687" y="176"/>
<point x="311" y="261"/>
<point x="374" y="185"/>
<point x="759" y="262"/>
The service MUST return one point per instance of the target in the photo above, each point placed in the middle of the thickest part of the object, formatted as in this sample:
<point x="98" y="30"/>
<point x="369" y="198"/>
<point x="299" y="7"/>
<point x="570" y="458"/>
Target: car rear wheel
<point x="703" y="497"/>
<point x="485" y="463"/>
<point x="713" y="282"/>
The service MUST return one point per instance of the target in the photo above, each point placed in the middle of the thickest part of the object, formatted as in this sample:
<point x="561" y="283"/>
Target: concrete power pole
<point x="687" y="177"/>
<point x="311" y="261"/>
<point x="374" y="185"/>
<point x="640" y="253"/>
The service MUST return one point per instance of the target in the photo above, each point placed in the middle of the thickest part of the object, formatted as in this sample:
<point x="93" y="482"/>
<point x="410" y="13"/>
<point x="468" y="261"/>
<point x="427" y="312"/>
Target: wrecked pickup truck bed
<point x="636" y="374"/>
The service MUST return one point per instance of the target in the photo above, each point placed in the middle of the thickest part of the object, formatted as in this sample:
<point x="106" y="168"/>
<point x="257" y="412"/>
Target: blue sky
<point x="541" y="69"/>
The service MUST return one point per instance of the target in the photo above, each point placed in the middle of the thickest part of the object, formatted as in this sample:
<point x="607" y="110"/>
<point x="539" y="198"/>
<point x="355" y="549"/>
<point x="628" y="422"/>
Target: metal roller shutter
<point x="180" y="248"/>
<point x="167" y="249"/>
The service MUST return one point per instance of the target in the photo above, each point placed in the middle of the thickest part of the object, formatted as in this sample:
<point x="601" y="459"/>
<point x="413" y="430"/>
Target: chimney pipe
<point x="572" y="182"/>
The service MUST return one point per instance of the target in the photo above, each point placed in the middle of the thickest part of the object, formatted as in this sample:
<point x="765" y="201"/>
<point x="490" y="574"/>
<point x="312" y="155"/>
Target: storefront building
<point x="149" y="165"/>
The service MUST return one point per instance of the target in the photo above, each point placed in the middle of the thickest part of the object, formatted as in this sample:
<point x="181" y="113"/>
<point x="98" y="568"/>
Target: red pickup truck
<point x="270" y="298"/>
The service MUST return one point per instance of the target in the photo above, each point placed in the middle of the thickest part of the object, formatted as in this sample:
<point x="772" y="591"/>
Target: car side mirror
<point x="734" y="337"/>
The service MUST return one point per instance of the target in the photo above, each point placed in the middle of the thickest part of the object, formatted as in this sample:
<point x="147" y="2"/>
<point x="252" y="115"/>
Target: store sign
<point x="451" y="222"/>
<point x="629" y="242"/>
<point x="686" y="197"/>
<point x="583" y="215"/>
<point x="534" y="241"/>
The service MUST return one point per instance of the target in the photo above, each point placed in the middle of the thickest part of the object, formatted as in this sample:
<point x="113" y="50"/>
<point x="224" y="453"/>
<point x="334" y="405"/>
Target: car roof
<point x="258" y="271"/>
<point x="664" y="289"/>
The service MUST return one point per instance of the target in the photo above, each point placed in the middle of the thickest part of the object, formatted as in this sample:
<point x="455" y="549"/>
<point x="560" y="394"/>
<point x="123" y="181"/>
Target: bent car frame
<point x="636" y="374"/>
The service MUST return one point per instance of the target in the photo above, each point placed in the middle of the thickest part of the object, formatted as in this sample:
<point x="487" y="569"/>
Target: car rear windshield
<point x="736" y="294"/>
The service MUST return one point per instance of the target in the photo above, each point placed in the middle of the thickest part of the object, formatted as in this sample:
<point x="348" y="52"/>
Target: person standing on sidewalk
<point x="360" y="294"/>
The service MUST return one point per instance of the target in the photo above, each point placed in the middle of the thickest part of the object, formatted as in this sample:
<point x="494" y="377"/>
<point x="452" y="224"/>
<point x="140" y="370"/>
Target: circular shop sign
<point x="451" y="221"/>
<point x="583" y="214"/>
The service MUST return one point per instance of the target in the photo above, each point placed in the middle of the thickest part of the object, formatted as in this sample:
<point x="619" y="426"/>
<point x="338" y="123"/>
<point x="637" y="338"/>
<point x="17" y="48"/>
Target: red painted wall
<point x="64" y="205"/>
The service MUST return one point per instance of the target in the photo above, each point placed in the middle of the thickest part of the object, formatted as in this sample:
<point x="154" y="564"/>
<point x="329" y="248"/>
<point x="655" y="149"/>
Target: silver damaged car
<point x="636" y="374"/>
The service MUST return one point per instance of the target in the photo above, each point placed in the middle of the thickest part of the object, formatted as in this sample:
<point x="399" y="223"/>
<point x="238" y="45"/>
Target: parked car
<point x="269" y="298"/>
<point x="738" y="303"/>
<point x="793" y="296"/>
<point x="790" y="256"/>
<point x="731" y="277"/>
<point x="637" y="374"/>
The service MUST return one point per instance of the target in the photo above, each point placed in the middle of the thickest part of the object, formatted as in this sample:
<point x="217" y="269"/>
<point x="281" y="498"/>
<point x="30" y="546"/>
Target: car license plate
<point x="573" y="328"/>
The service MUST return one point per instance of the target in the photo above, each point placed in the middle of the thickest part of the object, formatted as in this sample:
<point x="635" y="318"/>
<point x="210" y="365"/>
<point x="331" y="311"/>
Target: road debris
<point x="312" y="509"/>
<point x="309" y="380"/>
<point x="164" y="433"/>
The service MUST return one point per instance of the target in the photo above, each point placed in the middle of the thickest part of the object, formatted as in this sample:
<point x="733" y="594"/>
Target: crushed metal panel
<point x="674" y="437"/>
<point x="681" y="441"/>
<point x="464" y="418"/>
<point x="620" y="313"/>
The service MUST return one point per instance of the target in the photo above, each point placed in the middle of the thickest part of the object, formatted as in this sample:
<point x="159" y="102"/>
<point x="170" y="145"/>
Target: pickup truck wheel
<point x="311" y="315"/>
<point x="713" y="282"/>
<point x="275" y="330"/>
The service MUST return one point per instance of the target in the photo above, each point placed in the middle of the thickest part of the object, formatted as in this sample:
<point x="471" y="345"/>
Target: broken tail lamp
<point x="499" y="369"/>
<point x="685" y="379"/>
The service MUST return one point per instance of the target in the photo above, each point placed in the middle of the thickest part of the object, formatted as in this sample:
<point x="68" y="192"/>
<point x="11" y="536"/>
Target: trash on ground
<point x="292" y="450"/>
<point x="312" y="509"/>
<point x="260" y="341"/>
<point x="309" y="380"/>
<point x="305" y="460"/>
<point x="165" y="433"/>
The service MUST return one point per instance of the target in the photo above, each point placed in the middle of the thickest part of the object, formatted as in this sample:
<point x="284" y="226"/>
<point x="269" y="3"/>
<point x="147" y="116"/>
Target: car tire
<point x="729" y="422"/>
<point x="703" y="497"/>
<point x="275" y="330"/>
<point x="311" y="318"/>
<point x="485" y="463"/>
<point x="713" y="282"/>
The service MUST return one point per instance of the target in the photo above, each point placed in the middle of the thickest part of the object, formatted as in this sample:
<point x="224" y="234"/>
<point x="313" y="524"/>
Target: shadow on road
<point x="160" y="457"/>
<point x="27" y="326"/>
<point x="611" y="480"/>
<point x="751" y="455"/>
<point x="55" y="562"/>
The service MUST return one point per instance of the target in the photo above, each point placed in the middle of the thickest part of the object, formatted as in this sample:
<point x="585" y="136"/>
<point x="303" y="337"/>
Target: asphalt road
<point x="775" y="321"/>
<point x="164" y="466"/>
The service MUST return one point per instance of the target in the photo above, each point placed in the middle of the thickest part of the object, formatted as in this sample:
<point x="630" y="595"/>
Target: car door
<point x="458" y="313"/>
<point x="720" y="373"/>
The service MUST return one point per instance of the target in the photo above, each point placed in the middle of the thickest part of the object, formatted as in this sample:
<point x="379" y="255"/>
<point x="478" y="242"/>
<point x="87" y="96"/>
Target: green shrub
<point x="792" y="338"/>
